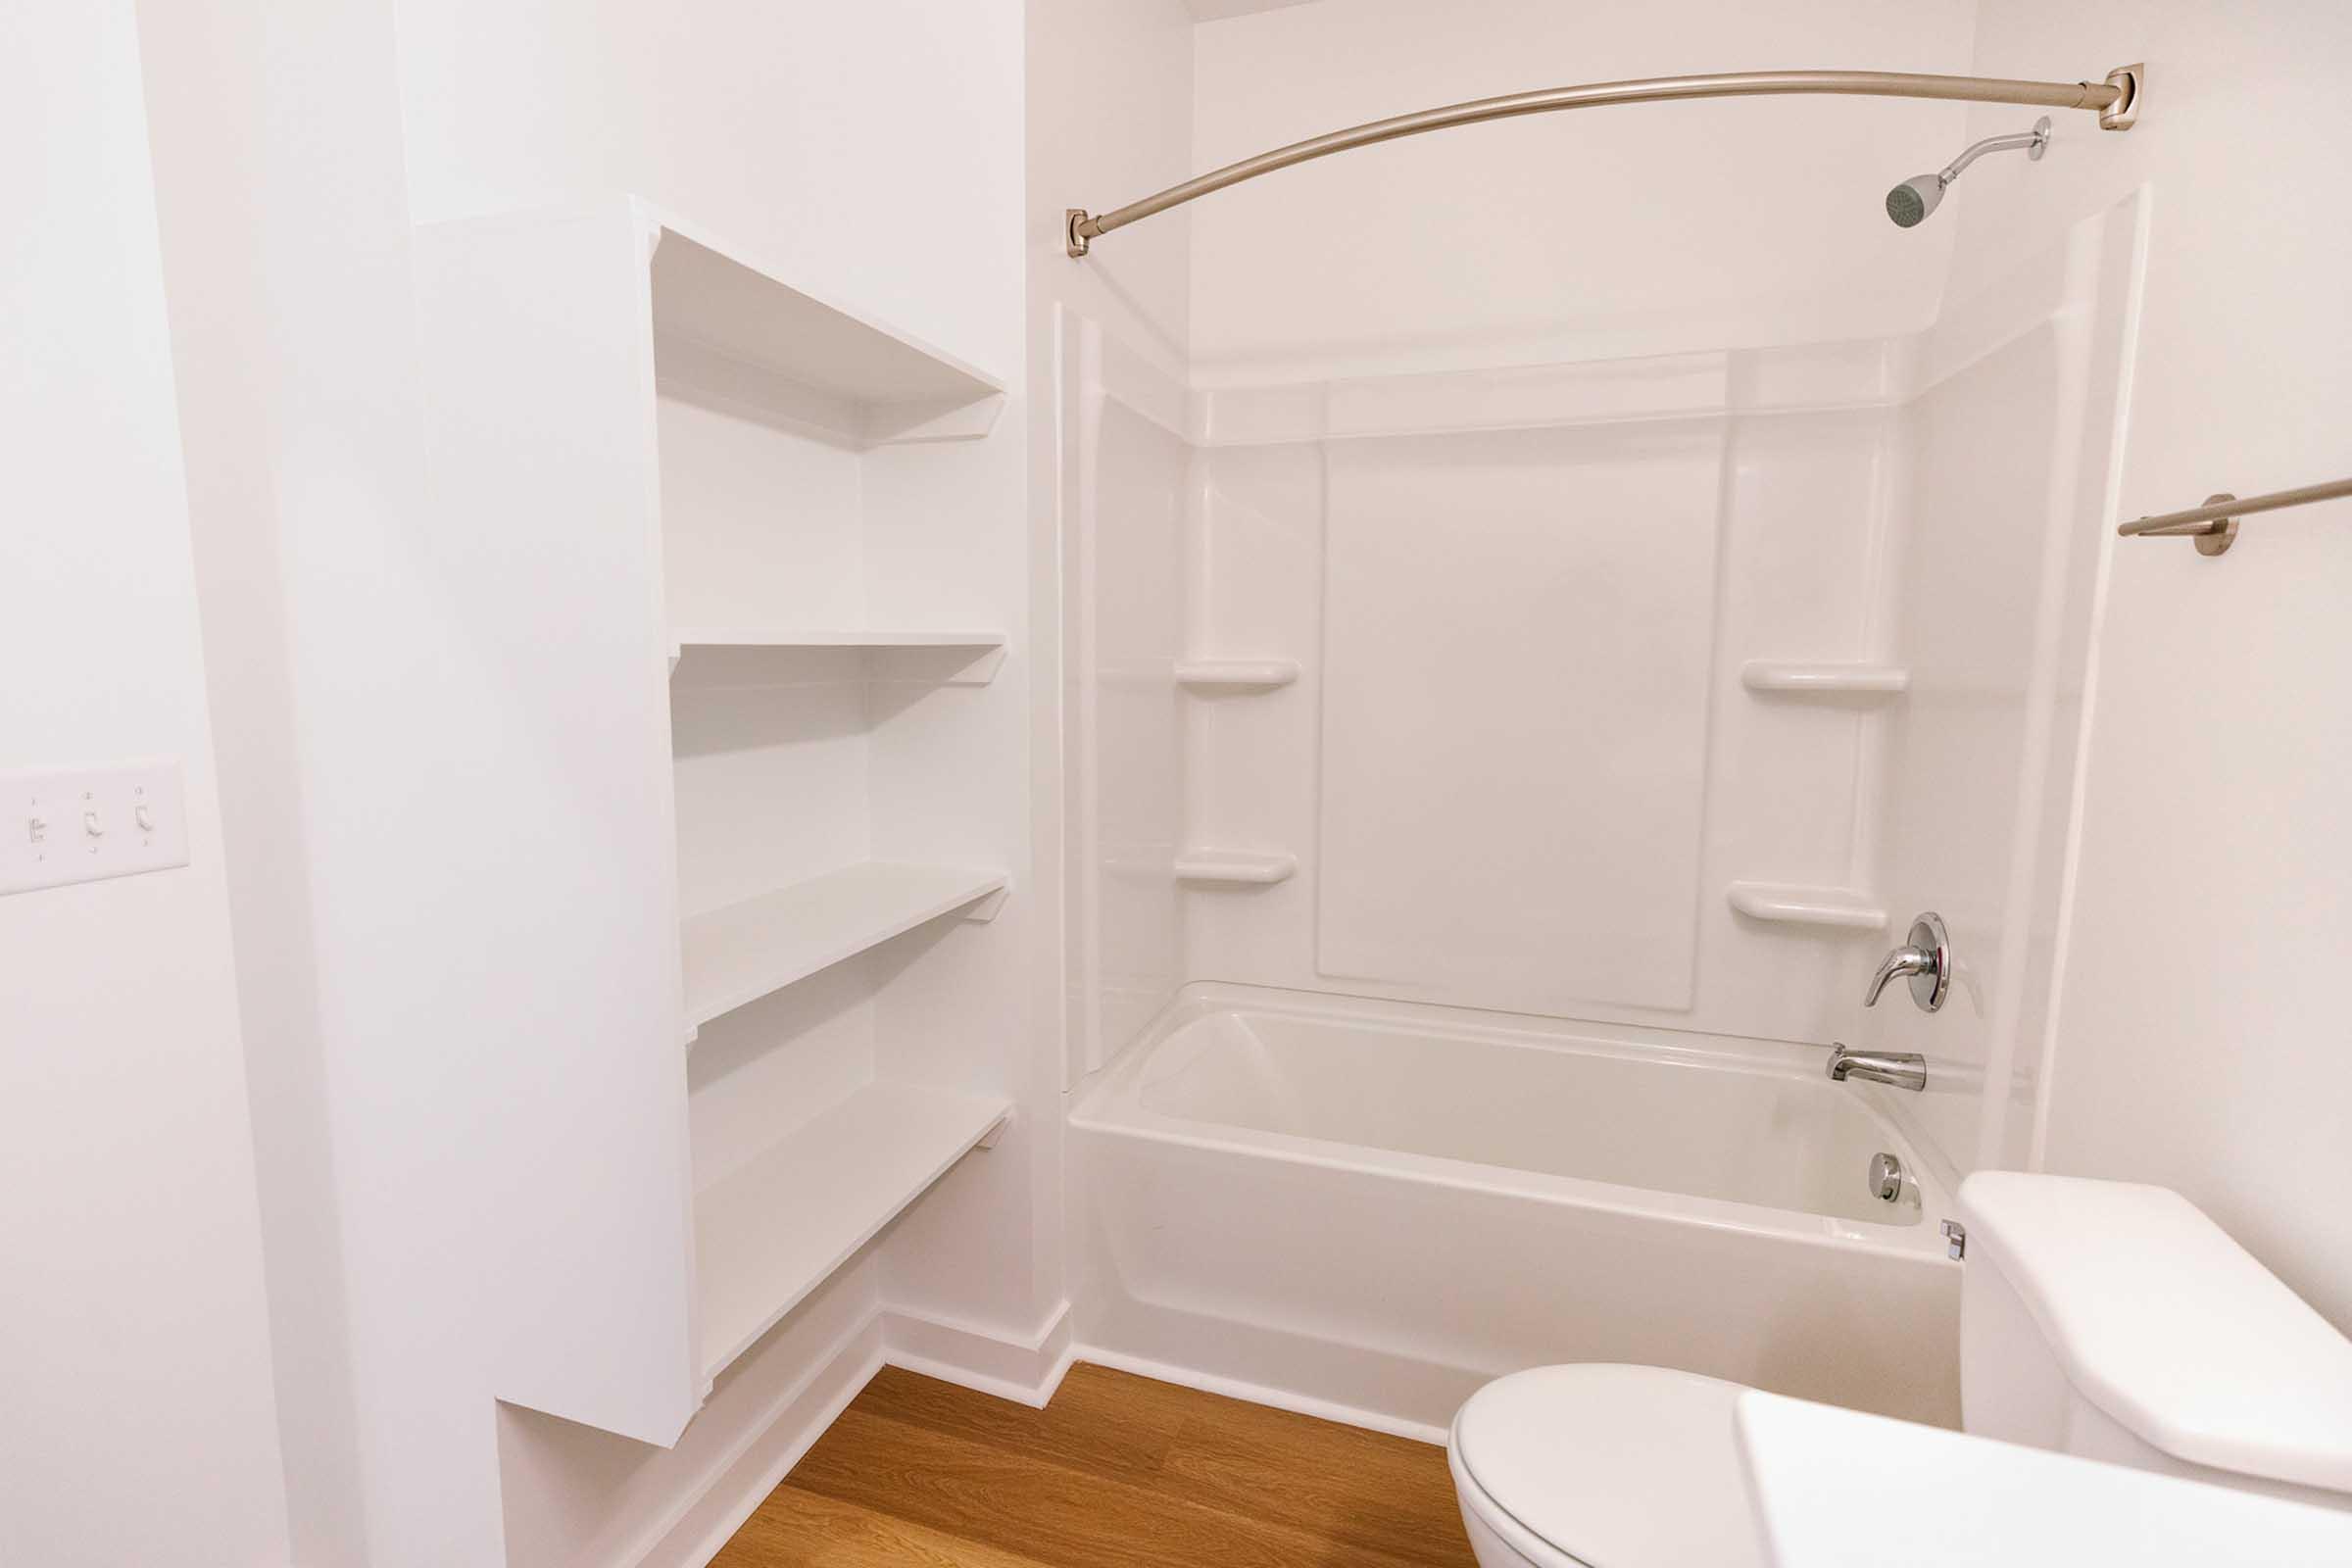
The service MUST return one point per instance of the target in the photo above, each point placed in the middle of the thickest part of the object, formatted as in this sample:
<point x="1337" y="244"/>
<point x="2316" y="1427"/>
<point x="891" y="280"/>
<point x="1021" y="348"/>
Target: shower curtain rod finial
<point x="1076" y="230"/>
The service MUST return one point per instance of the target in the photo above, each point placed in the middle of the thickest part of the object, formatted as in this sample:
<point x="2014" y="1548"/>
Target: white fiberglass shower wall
<point x="1654" y="690"/>
<point x="1638" y="677"/>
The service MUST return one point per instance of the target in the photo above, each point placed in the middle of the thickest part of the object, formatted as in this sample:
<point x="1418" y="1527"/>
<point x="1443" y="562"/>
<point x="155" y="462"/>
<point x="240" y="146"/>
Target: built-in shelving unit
<point x="1236" y="867"/>
<point x="1825" y="680"/>
<point x="744" y="951"/>
<point x="824" y="495"/>
<point x="771" y="1232"/>
<point x="1235" y="674"/>
<point x="652" y="445"/>
<point x="1795" y="903"/>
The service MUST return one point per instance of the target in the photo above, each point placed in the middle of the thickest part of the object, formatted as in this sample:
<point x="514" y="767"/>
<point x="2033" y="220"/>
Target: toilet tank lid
<point x="2170" y="1327"/>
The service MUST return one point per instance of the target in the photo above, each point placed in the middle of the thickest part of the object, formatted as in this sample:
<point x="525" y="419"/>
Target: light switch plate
<point x="86" y="824"/>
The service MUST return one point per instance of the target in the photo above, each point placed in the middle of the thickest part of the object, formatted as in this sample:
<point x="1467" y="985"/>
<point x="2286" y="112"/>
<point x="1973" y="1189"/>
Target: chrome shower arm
<point x="2115" y="100"/>
<point x="2030" y="142"/>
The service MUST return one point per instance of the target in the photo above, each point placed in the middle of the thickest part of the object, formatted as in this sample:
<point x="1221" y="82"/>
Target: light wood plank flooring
<point x="1118" y="1472"/>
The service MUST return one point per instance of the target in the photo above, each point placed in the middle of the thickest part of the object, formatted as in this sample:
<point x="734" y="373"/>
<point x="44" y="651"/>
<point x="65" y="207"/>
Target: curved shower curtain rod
<point x="2117" y="101"/>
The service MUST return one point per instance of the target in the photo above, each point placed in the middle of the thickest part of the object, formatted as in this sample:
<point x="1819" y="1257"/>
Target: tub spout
<point x="1904" y="1069"/>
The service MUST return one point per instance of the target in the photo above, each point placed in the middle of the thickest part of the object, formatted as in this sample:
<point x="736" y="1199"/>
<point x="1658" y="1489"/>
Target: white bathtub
<point x="1368" y="1209"/>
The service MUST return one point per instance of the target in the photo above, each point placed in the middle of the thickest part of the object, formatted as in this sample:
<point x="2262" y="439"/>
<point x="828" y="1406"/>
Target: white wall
<point x="1110" y="106"/>
<point x="2200" y="1040"/>
<point x="287" y="259"/>
<point x="299" y="146"/>
<point x="871" y="154"/>
<point x="1628" y="230"/>
<point x="1817" y="541"/>
<point x="138" y="1420"/>
<point x="1476" y="249"/>
<point x="1124" y="520"/>
<point x="1990" y="584"/>
<point x="862" y="146"/>
<point x="1111" y="110"/>
<point x="213" y="202"/>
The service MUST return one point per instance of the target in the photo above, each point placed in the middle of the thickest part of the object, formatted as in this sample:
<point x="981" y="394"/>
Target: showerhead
<point x="1909" y="202"/>
<point x="1914" y="199"/>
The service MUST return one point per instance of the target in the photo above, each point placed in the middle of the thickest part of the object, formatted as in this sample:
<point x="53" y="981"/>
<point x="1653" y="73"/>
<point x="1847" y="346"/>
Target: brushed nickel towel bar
<point x="2116" y="101"/>
<point x="2213" y="525"/>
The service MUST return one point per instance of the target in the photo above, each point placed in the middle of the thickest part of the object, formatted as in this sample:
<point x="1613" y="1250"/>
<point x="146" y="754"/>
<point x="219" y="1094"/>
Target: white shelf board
<point x="756" y="654"/>
<point x="729" y="331"/>
<point x="1795" y="903"/>
<point x="769" y="1234"/>
<point x="829" y="637"/>
<point x="743" y="952"/>
<point x="1825" y="680"/>
<point x="1235" y="674"/>
<point x="1243" y="868"/>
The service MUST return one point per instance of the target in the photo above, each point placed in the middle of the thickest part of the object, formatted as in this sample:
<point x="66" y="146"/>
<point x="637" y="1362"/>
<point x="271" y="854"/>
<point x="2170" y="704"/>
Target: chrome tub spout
<point x="1904" y="1069"/>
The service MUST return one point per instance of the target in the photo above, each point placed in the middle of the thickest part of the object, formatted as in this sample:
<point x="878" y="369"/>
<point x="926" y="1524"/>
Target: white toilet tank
<point x="2117" y="1322"/>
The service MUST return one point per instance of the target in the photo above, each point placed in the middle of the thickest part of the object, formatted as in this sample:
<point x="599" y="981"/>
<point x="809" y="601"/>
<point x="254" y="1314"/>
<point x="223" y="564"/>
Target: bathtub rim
<point x="1112" y="1105"/>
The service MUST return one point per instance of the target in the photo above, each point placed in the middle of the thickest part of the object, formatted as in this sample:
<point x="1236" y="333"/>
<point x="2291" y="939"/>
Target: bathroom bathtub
<point x="1368" y="1209"/>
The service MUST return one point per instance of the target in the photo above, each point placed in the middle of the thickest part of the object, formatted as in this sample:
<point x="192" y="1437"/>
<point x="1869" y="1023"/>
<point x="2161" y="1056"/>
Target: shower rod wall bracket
<point x="2127" y="81"/>
<point x="2213" y="525"/>
<point x="2225" y="529"/>
<point x="2115" y="100"/>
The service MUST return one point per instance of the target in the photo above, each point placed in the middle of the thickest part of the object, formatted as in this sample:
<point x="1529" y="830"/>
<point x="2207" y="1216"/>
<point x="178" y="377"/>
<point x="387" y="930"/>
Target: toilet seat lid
<point x="1617" y="1466"/>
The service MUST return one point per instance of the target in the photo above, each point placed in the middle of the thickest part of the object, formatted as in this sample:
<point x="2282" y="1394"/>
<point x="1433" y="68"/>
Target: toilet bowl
<point x="1569" y="1467"/>
<point x="2104" y="1319"/>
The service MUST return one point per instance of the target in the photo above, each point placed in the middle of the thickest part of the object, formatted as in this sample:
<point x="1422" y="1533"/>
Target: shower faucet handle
<point x="1901" y="962"/>
<point x="1926" y="961"/>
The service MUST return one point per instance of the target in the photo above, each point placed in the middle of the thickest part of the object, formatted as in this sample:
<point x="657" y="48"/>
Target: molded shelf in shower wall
<point x="1798" y="904"/>
<point x="1235" y="674"/>
<point x="1236" y="867"/>
<point x="1823" y="680"/>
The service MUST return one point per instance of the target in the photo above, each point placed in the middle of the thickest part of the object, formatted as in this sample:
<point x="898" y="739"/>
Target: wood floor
<point x="1118" y="1472"/>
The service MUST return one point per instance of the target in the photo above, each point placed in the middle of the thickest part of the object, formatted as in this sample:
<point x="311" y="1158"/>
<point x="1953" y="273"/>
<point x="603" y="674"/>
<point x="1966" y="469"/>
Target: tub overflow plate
<point x="1887" y="1178"/>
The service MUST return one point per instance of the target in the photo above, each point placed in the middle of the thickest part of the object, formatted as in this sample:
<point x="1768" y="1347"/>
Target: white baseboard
<point x="1260" y="1393"/>
<point x="769" y="1452"/>
<point x="1027" y="1369"/>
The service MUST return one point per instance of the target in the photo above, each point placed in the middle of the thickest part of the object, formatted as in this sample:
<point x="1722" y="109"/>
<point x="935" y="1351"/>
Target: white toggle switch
<point x="147" y="794"/>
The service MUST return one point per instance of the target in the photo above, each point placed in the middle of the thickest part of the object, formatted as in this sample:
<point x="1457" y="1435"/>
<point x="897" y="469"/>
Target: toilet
<point x="2104" y="1319"/>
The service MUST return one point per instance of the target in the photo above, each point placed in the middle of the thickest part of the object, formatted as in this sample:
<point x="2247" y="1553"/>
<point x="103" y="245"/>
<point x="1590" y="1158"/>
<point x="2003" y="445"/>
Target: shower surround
<point x="1655" y="695"/>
